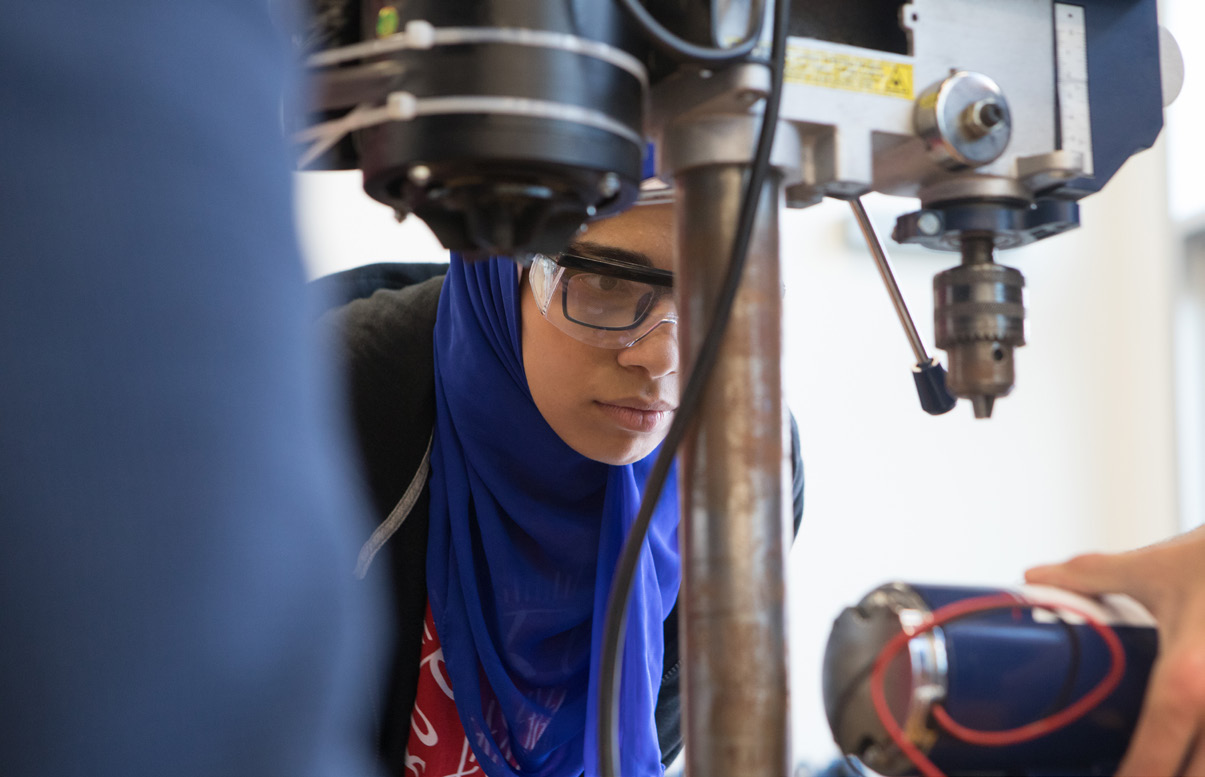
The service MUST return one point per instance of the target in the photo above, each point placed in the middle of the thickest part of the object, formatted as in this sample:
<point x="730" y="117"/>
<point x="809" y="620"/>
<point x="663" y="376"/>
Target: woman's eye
<point x="603" y="282"/>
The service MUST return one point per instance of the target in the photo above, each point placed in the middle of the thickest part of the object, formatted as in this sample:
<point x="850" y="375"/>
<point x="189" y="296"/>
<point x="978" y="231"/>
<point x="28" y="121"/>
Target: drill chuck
<point x="979" y="318"/>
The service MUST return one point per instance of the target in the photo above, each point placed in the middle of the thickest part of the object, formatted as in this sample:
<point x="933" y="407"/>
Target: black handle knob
<point x="930" y="379"/>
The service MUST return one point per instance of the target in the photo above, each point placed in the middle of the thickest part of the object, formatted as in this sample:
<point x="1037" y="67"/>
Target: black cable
<point x="615" y="624"/>
<point x="681" y="49"/>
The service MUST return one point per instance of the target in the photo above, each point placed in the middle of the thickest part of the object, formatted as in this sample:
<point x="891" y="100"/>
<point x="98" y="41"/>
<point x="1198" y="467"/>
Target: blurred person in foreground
<point x="176" y="595"/>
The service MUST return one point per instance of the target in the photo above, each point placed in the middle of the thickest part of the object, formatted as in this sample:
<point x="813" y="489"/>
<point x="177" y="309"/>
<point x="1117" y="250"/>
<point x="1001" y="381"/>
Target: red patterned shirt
<point x="437" y="746"/>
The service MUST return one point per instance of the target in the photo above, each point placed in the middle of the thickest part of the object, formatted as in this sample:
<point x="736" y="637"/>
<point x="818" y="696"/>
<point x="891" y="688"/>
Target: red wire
<point x="989" y="738"/>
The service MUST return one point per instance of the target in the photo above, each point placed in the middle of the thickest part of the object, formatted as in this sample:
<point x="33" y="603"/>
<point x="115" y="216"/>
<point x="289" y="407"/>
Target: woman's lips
<point x="645" y="418"/>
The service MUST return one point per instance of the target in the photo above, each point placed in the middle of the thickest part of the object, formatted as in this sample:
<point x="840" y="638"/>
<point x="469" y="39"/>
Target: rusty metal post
<point x="733" y="489"/>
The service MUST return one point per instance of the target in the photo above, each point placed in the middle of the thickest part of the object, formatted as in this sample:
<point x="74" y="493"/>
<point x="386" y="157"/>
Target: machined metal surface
<point x="1043" y="171"/>
<point x="853" y="108"/>
<point x="700" y="117"/>
<point x="971" y="187"/>
<point x="964" y="121"/>
<point x="733" y="492"/>
<point x="1071" y="60"/>
<point x="912" y="683"/>
<point x="852" y="105"/>
<point x="979" y="318"/>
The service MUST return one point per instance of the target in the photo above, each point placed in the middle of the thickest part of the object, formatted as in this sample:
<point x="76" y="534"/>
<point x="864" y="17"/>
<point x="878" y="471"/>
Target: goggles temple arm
<point x="544" y="274"/>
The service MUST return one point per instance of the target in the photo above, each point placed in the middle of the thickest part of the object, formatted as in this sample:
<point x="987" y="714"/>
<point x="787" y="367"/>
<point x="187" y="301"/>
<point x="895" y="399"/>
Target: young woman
<point x="520" y="410"/>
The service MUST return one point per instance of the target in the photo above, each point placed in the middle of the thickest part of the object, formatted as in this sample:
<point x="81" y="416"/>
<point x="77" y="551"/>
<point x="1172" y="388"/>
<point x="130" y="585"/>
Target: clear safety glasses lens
<point x="601" y="308"/>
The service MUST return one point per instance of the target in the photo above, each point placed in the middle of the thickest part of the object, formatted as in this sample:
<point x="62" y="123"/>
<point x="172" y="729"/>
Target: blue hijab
<point x="525" y="534"/>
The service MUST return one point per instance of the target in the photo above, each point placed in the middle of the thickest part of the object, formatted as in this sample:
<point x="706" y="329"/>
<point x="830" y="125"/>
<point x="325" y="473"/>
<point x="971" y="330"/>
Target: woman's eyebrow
<point x="601" y="251"/>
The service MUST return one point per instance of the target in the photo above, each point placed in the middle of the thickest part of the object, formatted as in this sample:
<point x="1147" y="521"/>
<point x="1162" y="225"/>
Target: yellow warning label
<point x="835" y="70"/>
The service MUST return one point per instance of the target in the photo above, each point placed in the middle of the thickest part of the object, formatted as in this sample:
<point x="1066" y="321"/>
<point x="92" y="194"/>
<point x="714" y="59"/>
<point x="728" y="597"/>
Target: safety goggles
<point x="603" y="302"/>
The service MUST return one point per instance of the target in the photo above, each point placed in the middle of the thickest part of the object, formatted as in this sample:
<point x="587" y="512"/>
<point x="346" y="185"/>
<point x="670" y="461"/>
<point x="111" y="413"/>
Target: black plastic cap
<point x="931" y="388"/>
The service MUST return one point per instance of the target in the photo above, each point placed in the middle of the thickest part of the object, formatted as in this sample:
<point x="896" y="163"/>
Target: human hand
<point x="1169" y="580"/>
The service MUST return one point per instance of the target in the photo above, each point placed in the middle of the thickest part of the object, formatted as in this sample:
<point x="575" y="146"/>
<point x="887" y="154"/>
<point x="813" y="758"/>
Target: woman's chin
<point x="618" y="449"/>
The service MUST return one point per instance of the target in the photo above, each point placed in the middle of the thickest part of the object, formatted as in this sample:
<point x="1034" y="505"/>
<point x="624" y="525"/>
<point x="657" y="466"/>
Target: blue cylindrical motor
<point x="991" y="671"/>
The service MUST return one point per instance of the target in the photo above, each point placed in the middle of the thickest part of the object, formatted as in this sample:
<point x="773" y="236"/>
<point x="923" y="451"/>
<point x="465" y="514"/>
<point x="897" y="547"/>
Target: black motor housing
<point x="518" y="139"/>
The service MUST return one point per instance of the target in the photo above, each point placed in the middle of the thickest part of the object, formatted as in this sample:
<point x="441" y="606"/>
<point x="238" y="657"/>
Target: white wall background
<point x="1082" y="456"/>
<point x="1186" y="20"/>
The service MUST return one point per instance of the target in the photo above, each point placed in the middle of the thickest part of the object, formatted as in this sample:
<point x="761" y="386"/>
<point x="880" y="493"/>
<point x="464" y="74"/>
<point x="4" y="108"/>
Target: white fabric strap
<point x="397" y="516"/>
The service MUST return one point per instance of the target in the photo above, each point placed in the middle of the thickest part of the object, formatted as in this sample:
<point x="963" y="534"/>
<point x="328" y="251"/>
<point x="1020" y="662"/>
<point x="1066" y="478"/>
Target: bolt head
<point x="991" y="114"/>
<point x="984" y="117"/>
<point x="609" y="185"/>
<point x="419" y="174"/>
<point x="929" y="223"/>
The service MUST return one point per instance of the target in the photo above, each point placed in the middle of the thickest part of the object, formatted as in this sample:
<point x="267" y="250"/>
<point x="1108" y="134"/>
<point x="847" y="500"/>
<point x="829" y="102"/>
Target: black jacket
<point x="387" y="344"/>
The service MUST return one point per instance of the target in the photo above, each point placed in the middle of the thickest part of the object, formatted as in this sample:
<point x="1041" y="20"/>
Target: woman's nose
<point x="656" y="352"/>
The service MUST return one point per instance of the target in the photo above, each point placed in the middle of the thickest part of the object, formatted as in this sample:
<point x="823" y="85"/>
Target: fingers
<point x="1167" y="578"/>
<point x="1146" y="574"/>
<point x="1095" y="573"/>
<point x="1168" y="738"/>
